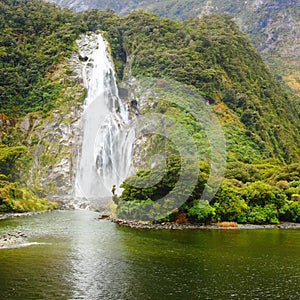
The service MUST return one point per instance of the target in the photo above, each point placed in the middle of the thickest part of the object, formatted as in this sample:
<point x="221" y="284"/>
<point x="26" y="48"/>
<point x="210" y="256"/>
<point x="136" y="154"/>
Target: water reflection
<point x="214" y="264"/>
<point x="95" y="260"/>
<point x="85" y="258"/>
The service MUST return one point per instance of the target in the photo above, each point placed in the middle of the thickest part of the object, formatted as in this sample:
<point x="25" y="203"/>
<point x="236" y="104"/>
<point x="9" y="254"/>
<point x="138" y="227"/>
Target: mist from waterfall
<point x="107" y="140"/>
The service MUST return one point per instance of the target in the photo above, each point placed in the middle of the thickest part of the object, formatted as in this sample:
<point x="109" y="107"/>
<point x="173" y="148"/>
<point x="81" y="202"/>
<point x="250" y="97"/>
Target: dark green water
<point x="80" y="257"/>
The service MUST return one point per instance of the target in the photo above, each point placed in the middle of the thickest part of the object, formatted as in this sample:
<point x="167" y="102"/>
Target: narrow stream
<point x="77" y="256"/>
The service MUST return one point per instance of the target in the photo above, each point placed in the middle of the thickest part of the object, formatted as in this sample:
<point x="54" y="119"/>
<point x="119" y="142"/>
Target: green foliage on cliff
<point x="13" y="196"/>
<point x="34" y="37"/>
<point x="214" y="56"/>
<point x="210" y="55"/>
<point x="8" y="157"/>
<point x="272" y="25"/>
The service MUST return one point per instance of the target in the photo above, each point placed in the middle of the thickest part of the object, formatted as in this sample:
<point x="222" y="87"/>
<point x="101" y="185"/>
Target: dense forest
<point x="34" y="38"/>
<point x="272" y="25"/>
<point x="211" y="56"/>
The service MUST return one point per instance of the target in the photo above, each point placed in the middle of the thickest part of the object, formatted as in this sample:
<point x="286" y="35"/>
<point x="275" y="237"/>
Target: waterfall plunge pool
<point x="77" y="256"/>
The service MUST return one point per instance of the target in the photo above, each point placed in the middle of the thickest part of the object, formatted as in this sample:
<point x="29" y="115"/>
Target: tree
<point x="201" y="212"/>
<point x="262" y="194"/>
<point x="8" y="158"/>
<point x="228" y="203"/>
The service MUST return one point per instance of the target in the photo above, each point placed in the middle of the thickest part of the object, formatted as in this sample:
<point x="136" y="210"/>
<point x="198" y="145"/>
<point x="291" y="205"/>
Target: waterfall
<point x="107" y="139"/>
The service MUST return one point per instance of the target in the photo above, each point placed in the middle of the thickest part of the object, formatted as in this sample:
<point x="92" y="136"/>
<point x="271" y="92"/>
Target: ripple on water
<point x="72" y="255"/>
<point x="21" y="245"/>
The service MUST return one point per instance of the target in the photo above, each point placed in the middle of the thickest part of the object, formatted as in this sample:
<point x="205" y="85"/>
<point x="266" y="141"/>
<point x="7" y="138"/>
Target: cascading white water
<point x="107" y="142"/>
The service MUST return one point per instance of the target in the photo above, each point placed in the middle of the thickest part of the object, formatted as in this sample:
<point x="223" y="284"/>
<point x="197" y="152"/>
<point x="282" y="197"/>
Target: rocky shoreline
<point x="185" y="226"/>
<point x="12" y="239"/>
<point x="4" y="216"/>
<point x="18" y="238"/>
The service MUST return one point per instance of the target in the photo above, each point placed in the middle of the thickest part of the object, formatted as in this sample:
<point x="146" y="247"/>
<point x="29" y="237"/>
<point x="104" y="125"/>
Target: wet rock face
<point x="80" y="60"/>
<point x="54" y="142"/>
<point x="53" y="146"/>
<point x="25" y="124"/>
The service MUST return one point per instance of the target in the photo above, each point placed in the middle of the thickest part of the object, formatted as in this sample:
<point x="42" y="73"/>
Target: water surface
<point x="78" y="256"/>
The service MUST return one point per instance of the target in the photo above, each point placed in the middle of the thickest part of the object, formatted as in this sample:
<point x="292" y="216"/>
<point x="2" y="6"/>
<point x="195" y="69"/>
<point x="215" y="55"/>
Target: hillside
<point x="29" y="49"/>
<point x="261" y="125"/>
<point x="223" y="66"/>
<point x="273" y="26"/>
<point x="210" y="56"/>
<point x="31" y="54"/>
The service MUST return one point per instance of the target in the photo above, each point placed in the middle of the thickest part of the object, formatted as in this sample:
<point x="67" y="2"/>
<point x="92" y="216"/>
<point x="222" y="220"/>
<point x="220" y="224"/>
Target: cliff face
<point x="54" y="142"/>
<point x="210" y="54"/>
<point x="272" y="25"/>
<point x="116" y="5"/>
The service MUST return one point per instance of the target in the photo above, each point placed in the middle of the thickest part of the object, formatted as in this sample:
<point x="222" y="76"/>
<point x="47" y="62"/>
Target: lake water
<point x="77" y="256"/>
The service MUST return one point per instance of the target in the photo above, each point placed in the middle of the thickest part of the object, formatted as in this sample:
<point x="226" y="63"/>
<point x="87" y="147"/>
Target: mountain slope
<point x="30" y="47"/>
<point x="35" y="40"/>
<point x="215" y="57"/>
<point x="273" y="26"/>
<point x="210" y="55"/>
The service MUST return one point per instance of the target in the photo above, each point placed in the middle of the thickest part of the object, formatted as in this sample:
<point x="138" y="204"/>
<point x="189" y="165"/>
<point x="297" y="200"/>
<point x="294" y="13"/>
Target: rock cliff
<point x="54" y="141"/>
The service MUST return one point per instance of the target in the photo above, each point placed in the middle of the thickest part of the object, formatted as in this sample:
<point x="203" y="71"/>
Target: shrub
<point x="242" y="172"/>
<point x="290" y="211"/>
<point x="262" y="215"/>
<point x="295" y="197"/>
<point x="261" y="193"/>
<point x="8" y="158"/>
<point x="228" y="203"/>
<point x="146" y="210"/>
<point x="201" y="212"/>
<point x="292" y="191"/>
<point x="17" y="199"/>
<point x="290" y="173"/>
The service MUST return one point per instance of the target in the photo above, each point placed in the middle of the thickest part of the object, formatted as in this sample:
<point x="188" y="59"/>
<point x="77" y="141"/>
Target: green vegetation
<point x="8" y="157"/>
<point x="252" y="201"/>
<point x="210" y="56"/>
<point x="264" y="22"/>
<point x="34" y="37"/>
<point x="215" y="57"/>
<point x="14" y="197"/>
